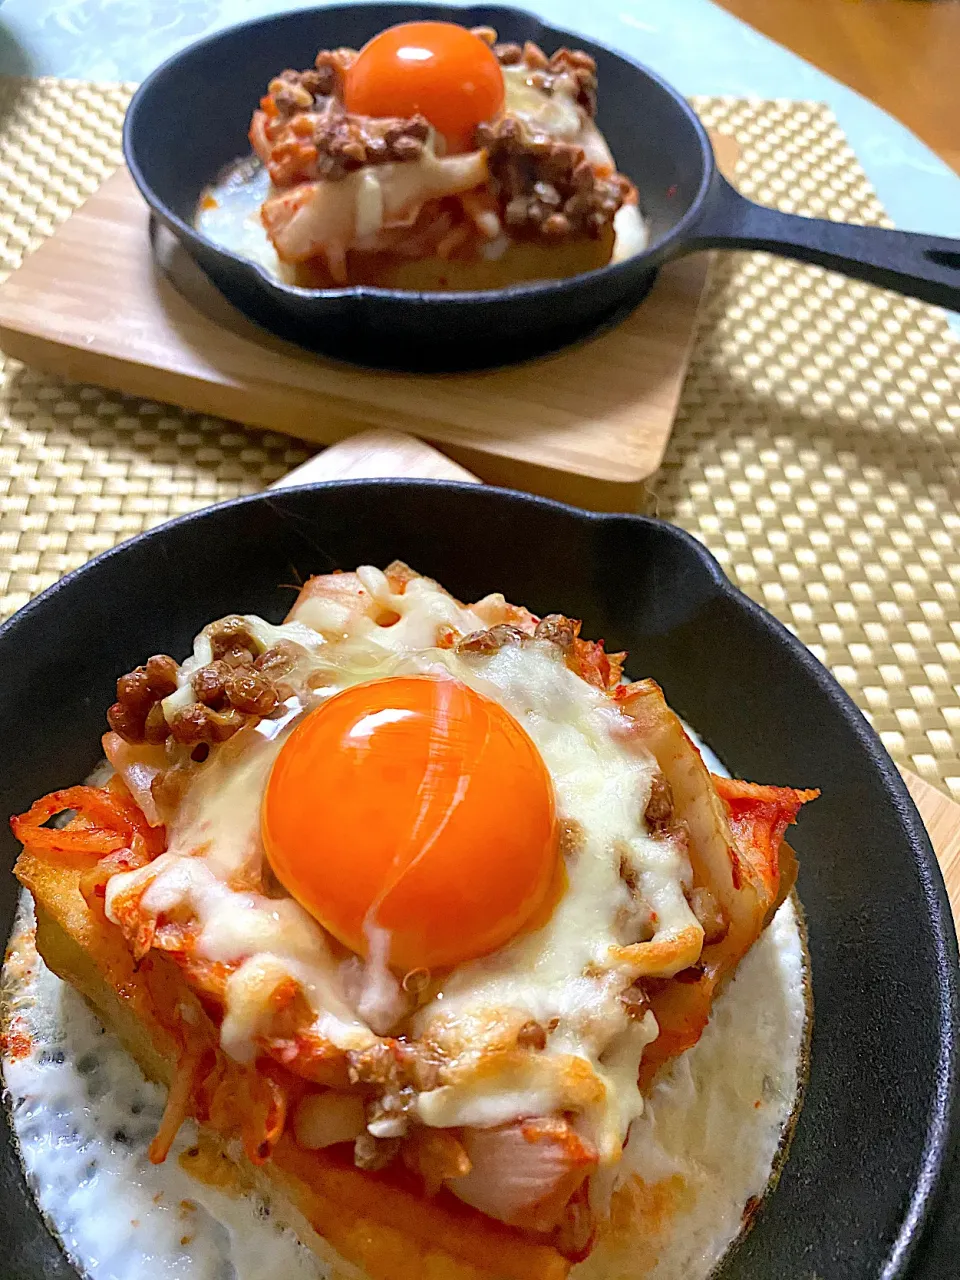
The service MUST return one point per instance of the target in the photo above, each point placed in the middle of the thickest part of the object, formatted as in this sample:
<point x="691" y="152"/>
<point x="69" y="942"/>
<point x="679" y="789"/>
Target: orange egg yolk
<point x="436" y="69"/>
<point x="414" y="816"/>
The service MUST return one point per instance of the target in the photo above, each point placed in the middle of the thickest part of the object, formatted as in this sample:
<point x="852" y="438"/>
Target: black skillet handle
<point x="924" y="267"/>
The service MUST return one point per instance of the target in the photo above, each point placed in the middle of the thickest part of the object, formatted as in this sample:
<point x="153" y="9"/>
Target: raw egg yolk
<point x="436" y="69"/>
<point x="415" y="818"/>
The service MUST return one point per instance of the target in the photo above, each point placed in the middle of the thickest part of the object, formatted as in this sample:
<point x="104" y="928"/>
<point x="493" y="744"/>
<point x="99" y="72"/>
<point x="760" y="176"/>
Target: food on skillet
<point x="435" y="158"/>
<point x="407" y="902"/>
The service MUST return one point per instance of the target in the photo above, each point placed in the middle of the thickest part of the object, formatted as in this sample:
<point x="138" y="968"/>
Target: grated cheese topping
<point x="568" y="976"/>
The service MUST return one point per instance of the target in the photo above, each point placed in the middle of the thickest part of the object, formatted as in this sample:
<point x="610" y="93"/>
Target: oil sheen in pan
<point x="710" y="1142"/>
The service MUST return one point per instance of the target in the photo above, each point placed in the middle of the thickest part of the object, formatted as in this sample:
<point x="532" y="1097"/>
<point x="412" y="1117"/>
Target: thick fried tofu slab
<point x="388" y="1231"/>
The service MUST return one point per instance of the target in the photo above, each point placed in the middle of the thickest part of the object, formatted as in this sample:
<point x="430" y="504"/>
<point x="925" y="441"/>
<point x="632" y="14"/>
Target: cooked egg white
<point x="702" y="1147"/>
<point x="229" y="216"/>
<point x="83" y="1116"/>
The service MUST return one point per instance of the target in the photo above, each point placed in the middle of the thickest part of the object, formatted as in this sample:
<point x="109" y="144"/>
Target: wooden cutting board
<point x="385" y="453"/>
<point x="588" y="425"/>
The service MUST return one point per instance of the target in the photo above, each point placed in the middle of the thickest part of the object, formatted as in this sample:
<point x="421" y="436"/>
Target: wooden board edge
<point x="186" y="391"/>
<point x="941" y="817"/>
<point x="335" y="419"/>
<point x="630" y="494"/>
<point x="376" y="455"/>
<point x="609" y="484"/>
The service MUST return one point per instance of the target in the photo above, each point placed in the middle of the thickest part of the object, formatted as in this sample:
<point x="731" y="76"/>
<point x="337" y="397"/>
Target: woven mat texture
<point x="816" y="451"/>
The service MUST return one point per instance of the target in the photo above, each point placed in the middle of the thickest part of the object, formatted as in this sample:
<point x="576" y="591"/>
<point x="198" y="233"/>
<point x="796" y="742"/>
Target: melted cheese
<point x="568" y="975"/>
<point x="352" y="212"/>
<point x="84" y="1118"/>
<point x="562" y="974"/>
<point x="556" y="114"/>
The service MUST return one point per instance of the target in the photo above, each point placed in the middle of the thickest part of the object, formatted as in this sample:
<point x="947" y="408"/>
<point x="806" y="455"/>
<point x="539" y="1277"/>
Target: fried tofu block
<point x="383" y="1230"/>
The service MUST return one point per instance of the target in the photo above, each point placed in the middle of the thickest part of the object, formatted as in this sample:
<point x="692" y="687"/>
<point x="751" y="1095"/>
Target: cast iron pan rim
<point x="708" y="562"/>
<point x="942" y="1137"/>
<point x="943" y="1133"/>
<point x="554" y="289"/>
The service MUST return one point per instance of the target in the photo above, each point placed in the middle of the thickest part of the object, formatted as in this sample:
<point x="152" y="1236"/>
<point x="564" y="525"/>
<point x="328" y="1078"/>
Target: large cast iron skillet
<point x="190" y="118"/>
<point x="876" y="1131"/>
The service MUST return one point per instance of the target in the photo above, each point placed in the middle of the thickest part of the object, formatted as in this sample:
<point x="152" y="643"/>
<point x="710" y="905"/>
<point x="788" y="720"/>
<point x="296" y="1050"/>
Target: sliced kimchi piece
<point x="735" y="845"/>
<point x="593" y="664"/>
<point x="329" y="602"/>
<point x="179" y="1104"/>
<point x="138" y="764"/>
<point x="104" y="820"/>
<point x="524" y="1174"/>
<point x="326" y="219"/>
<point x="259" y="138"/>
<point x="759" y="817"/>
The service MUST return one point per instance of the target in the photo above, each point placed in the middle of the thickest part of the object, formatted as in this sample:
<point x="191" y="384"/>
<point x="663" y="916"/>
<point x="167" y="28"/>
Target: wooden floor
<point x="902" y="54"/>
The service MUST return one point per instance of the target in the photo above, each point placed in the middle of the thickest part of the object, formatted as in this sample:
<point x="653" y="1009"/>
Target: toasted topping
<point x="576" y="69"/>
<point x="277" y="661"/>
<point x="415" y="96"/>
<point x="492" y="639"/>
<point x="210" y="683"/>
<point x="710" y="914"/>
<point x="558" y="630"/>
<point x="202" y="724"/>
<point x="137" y="695"/>
<point x="536" y="177"/>
<point x="635" y="1001"/>
<point x="232" y="642"/>
<point x="659" y="811"/>
<point x="432" y="1059"/>
<point x="251" y="691"/>
<point x="531" y="1036"/>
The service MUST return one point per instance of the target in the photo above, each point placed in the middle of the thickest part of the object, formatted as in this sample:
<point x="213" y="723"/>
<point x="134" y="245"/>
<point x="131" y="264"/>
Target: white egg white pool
<point x="231" y="217"/>
<point x="711" y="1131"/>
<point x="703" y="1150"/>
<point x="84" y="1116"/>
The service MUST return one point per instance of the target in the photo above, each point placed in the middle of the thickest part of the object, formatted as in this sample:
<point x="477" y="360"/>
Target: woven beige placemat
<point x="816" y="451"/>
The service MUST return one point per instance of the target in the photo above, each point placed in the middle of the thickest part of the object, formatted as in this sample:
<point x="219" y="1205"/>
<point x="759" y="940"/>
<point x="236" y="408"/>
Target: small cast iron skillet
<point x="877" y="1128"/>
<point x="190" y="118"/>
